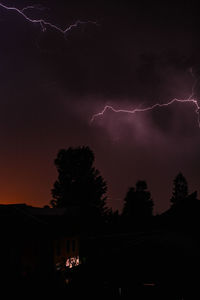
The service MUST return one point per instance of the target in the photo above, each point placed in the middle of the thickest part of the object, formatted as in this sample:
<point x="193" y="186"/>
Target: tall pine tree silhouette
<point x="180" y="189"/>
<point x="79" y="183"/>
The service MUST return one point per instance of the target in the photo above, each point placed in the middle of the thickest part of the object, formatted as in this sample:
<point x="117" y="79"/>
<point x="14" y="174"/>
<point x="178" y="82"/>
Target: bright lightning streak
<point x="44" y="24"/>
<point x="190" y="99"/>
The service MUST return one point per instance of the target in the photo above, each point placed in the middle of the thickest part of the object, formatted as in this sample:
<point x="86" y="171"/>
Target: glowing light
<point x="72" y="262"/>
<point x="43" y="23"/>
<point x="149" y="284"/>
<point x="190" y="100"/>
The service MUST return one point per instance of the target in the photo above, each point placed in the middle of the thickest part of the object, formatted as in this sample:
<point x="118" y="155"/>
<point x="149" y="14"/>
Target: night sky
<point x="137" y="54"/>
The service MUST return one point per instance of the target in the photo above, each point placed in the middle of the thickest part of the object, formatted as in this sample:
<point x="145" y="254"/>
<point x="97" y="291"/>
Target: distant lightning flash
<point x="109" y="107"/>
<point x="190" y="99"/>
<point x="44" y="24"/>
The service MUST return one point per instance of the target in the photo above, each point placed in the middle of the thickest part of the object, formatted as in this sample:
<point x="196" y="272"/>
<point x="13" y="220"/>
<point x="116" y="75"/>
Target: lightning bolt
<point x="191" y="99"/>
<point x="43" y="23"/>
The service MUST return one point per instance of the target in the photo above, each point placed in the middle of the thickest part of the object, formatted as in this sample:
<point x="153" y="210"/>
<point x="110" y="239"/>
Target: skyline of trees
<point x="79" y="183"/>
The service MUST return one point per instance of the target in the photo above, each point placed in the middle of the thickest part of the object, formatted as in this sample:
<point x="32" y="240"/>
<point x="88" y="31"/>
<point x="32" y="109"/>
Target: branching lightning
<point x="43" y="23"/>
<point x="191" y="99"/>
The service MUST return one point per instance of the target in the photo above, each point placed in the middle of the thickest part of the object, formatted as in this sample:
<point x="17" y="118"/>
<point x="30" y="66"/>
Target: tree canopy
<point x="138" y="205"/>
<point x="79" y="183"/>
<point x="180" y="189"/>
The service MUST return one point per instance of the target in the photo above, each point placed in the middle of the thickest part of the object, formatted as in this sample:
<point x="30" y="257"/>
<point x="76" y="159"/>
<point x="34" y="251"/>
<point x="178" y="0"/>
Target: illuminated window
<point x="72" y="262"/>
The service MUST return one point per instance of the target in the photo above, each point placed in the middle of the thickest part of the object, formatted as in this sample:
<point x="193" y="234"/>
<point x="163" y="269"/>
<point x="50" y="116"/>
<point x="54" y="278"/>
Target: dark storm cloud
<point x="133" y="46"/>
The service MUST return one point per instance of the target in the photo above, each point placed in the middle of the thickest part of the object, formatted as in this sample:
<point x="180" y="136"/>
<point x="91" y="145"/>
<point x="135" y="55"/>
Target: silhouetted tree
<point x="138" y="205"/>
<point x="180" y="189"/>
<point x="79" y="183"/>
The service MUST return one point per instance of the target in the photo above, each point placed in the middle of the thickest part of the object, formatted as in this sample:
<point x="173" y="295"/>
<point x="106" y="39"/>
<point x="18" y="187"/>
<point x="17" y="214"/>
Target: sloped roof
<point x="13" y="216"/>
